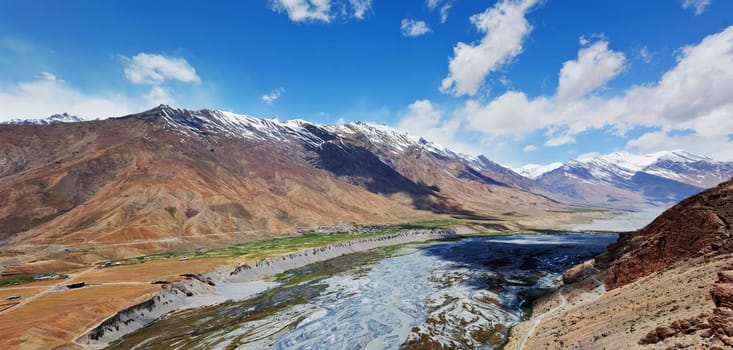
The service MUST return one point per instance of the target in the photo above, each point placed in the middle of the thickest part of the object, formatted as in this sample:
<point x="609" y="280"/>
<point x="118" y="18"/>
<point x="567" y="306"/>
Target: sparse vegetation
<point x="267" y="248"/>
<point x="7" y="281"/>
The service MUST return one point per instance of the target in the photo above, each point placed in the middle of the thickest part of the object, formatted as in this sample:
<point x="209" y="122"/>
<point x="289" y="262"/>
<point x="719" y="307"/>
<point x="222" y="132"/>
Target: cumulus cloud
<point x="694" y="96"/>
<point x="159" y="95"/>
<point x="273" y="95"/>
<point x="321" y="10"/>
<point x="511" y="114"/>
<point x="697" y="5"/>
<point x="505" y="28"/>
<point x="154" y="69"/>
<point x="424" y="119"/>
<point x="529" y="148"/>
<point x="304" y="10"/>
<point x="49" y="95"/>
<point x="594" y="67"/>
<point x="413" y="28"/>
<point x="360" y="7"/>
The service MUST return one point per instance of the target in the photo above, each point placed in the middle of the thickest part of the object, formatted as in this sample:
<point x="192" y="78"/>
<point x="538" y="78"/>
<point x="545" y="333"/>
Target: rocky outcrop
<point x="676" y="328"/>
<point x="721" y="322"/>
<point x="716" y="327"/>
<point x="579" y="272"/>
<point x="697" y="226"/>
<point x="170" y="298"/>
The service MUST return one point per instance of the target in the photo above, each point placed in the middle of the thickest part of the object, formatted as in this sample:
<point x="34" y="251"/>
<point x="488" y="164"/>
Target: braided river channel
<point x="459" y="294"/>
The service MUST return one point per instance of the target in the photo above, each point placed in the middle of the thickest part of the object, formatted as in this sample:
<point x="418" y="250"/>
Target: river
<point x="458" y="294"/>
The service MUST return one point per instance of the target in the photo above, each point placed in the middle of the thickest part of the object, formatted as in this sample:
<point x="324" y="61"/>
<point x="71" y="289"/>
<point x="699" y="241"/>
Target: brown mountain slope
<point x="697" y="226"/>
<point x="178" y="179"/>
<point x="667" y="286"/>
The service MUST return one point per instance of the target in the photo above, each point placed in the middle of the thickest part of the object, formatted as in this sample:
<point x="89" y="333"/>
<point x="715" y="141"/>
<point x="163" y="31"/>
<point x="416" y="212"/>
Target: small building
<point x="75" y="285"/>
<point x="47" y="276"/>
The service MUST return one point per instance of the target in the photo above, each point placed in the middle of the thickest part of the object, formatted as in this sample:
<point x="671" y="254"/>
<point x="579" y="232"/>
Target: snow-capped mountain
<point x="220" y="174"/>
<point x="56" y="118"/>
<point x="533" y="171"/>
<point x="622" y="177"/>
<point x="383" y="140"/>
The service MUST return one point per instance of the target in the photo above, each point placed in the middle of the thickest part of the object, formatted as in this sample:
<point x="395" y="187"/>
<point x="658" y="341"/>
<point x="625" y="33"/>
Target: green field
<point x="7" y="281"/>
<point x="267" y="248"/>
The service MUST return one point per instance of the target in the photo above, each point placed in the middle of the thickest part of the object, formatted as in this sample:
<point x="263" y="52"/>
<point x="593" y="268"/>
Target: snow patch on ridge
<point x="533" y="171"/>
<point x="56" y="118"/>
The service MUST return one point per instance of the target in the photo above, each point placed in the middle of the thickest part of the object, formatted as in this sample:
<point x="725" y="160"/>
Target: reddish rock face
<point x="699" y="225"/>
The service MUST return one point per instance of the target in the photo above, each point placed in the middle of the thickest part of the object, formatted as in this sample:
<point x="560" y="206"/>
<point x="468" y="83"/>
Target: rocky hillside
<point x="697" y="226"/>
<point x="170" y="178"/>
<point x="667" y="286"/>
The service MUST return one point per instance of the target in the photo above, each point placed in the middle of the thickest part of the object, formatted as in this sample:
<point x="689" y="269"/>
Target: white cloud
<point x="273" y="95"/>
<point x="49" y="95"/>
<point x="423" y="119"/>
<point x="432" y="4"/>
<point x="593" y="68"/>
<point x="510" y="115"/>
<point x="304" y="10"/>
<point x="697" y="5"/>
<point x="360" y="7"/>
<point x="155" y="69"/>
<point x="645" y="55"/>
<point x="720" y="148"/>
<point x="321" y="10"/>
<point x="690" y="106"/>
<point x="444" y="12"/>
<point x="505" y="27"/>
<point x="529" y="148"/>
<point x="560" y="140"/>
<point x="159" y="95"/>
<point x="413" y="28"/>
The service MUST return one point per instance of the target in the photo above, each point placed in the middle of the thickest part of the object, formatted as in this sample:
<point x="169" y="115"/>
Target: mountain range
<point x="169" y="178"/>
<point x="625" y="180"/>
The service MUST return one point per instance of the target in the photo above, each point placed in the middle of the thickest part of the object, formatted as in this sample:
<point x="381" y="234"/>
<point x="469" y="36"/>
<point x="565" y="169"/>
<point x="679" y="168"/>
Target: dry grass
<point x="24" y="291"/>
<point x="57" y="318"/>
<point x="154" y="270"/>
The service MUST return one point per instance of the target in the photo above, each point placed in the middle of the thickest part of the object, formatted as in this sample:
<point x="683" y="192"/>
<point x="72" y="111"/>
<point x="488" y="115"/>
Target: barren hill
<point x="171" y="178"/>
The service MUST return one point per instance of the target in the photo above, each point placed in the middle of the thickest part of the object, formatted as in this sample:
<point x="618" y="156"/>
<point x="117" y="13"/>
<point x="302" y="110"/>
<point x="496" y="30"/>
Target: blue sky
<point x="517" y="80"/>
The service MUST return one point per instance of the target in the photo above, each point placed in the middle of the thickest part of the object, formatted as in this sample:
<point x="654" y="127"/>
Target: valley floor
<point x="47" y="315"/>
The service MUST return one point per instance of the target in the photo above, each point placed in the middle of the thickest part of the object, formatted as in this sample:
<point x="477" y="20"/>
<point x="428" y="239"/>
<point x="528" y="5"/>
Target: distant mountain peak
<point x="534" y="171"/>
<point x="665" y="176"/>
<point x="53" y="119"/>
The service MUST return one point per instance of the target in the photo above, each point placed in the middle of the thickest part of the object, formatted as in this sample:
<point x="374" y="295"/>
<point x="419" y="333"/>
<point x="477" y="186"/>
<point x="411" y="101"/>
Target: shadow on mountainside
<point x="359" y="166"/>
